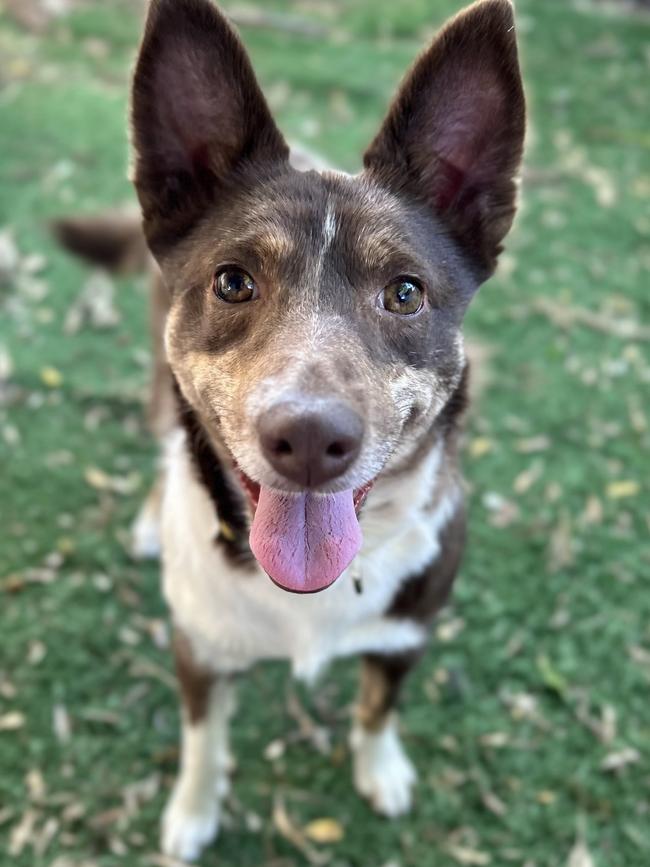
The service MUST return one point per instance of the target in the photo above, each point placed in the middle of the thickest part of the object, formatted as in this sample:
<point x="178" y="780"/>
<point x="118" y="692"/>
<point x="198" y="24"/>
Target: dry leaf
<point x="497" y="740"/>
<point x="286" y="827"/>
<point x="61" y="723"/>
<point x="274" y="750"/>
<point x="448" y="630"/>
<point x="546" y="797"/>
<point x="480" y="446"/>
<point x="22" y="833"/>
<point x="10" y="722"/>
<point x="465" y="855"/>
<point x="593" y="513"/>
<point x="35" y="785"/>
<point x="622" y="489"/>
<point x="531" y="445"/>
<point x="526" y="479"/>
<point x="560" y="546"/>
<point x="51" y="377"/>
<point x="42" y="838"/>
<point x="502" y="512"/>
<point x="580" y="856"/>
<point x="101" y="481"/>
<point x="493" y="803"/>
<point x="621" y="759"/>
<point x="324" y="831"/>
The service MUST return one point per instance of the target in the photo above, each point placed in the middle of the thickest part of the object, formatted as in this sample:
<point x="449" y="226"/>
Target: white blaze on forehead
<point x="329" y="226"/>
<point x="329" y="232"/>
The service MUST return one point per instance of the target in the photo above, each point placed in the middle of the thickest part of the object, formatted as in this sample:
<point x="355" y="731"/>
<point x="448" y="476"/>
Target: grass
<point x="529" y="720"/>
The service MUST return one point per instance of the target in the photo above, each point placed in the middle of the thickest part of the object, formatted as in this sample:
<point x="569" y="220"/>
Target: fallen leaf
<point x="620" y="759"/>
<point x="546" y="797"/>
<point x="621" y="490"/>
<point x="42" y="838"/>
<point x="593" y="512"/>
<point x="324" y="831"/>
<point x="35" y="785"/>
<point x="480" y="446"/>
<point x="51" y="377"/>
<point x="61" y="723"/>
<point x="22" y="833"/>
<point x="287" y="828"/>
<point x="465" y="855"/>
<point x="530" y="445"/>
<point x="274" y="750"/>
<point x="101" y="481"/>
<point x="580" y="856"/>
<point x="493" y="803"/>
<point x="560" y="546"/>
<point x="497" y="740"/>
<point x="12" y="721"/>
<point x="502" y="512"/>
<point x="449" y="629"/>
<point x="527" y="478"/>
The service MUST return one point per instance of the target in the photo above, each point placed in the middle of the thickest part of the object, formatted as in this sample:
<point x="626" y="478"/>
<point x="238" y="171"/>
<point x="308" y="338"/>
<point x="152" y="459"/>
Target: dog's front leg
<point x="191" y="818"/>
<point x="383" y="772"/>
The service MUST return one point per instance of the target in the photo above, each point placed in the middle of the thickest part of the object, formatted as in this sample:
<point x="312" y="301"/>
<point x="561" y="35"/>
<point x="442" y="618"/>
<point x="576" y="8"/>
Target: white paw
<point x="383" y="773"/>
<point x="145" y="536"/>
<point x="186" y="828"/>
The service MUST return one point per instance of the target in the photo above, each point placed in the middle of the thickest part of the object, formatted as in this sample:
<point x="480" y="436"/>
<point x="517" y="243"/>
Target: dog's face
<point x="315" y="317"/>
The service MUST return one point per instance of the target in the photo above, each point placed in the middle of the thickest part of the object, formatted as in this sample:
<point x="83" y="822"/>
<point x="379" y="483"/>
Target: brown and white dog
<point x="312" y="327"/>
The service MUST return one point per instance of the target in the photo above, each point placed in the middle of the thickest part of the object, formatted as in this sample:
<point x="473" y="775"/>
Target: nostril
<point x="336" y="450"/>
<point x="283" y="447"/>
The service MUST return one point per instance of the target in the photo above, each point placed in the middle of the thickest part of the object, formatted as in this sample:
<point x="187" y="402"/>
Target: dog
<point x="311" y="372"/>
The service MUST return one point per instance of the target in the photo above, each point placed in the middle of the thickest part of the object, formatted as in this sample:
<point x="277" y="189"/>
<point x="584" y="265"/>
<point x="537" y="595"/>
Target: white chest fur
<point x="235" y="617"/>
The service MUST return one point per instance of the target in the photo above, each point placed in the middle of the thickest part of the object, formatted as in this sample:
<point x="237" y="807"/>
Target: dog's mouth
<point x="304" y="541"/>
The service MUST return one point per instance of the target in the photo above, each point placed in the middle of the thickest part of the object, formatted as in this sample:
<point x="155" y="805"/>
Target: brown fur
<point x="419" y="599"/>
<point x="195" y="681"/>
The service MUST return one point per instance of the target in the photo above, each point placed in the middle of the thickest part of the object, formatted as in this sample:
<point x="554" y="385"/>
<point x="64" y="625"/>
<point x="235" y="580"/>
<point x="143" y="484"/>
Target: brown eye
<point x="234" y="285"/>
<point x="403" y="296"/>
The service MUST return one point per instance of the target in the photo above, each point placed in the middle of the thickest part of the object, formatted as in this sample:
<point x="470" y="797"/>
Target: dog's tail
<point x="113" y="240"/>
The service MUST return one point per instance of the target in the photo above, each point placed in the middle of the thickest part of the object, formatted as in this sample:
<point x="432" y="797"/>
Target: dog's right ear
<point x="198" y="115"/>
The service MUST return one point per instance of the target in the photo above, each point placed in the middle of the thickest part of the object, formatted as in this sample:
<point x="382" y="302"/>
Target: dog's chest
<point x="236" y="616"/>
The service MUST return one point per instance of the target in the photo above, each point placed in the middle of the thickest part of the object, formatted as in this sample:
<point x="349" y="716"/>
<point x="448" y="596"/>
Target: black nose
<point x="310" y="446"/>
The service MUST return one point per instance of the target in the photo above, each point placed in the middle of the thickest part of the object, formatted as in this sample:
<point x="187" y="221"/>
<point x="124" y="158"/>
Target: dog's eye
<point x="403" y="296"/>
<point x="234" y="285"/>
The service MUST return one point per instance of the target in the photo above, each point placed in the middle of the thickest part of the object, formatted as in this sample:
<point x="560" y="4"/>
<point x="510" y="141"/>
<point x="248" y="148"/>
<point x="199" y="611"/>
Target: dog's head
<point x="315" y="317"/>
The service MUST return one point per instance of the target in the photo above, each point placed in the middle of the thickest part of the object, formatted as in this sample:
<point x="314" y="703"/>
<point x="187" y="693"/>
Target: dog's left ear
<point x="198" y="116"/>
<point x="453" y="137"/>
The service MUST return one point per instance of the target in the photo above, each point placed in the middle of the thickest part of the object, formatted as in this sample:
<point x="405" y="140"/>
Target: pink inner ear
<point x="196" y="109"/>
<point x="463" y="130"/>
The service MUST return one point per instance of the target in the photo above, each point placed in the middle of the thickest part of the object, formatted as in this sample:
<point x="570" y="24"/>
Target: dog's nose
<point x="310" y="446"/>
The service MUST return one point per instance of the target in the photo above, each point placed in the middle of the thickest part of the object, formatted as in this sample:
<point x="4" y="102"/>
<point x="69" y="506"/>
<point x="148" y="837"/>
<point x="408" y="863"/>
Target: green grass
<point x="552" y="611"/>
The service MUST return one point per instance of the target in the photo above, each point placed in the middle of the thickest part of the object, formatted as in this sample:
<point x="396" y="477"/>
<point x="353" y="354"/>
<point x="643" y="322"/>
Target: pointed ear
<point x="197" y="114"/>
<point x="453" y="137"/>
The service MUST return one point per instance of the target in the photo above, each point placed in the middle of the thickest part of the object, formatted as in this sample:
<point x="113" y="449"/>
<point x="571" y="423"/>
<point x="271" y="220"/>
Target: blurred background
<point x="529" y="721"/>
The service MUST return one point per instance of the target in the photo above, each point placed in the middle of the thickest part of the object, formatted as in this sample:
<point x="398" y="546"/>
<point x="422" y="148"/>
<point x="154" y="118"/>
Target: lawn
<point x="529" y="720"/>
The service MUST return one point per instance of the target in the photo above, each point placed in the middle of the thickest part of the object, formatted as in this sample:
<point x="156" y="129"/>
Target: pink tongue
<point x="304" y="541"/>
